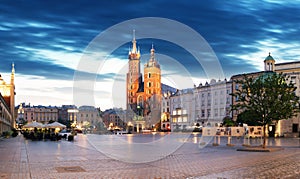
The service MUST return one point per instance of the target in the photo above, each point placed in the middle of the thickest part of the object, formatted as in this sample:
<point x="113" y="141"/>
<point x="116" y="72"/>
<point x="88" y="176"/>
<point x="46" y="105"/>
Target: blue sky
<point x="46" y="41"/>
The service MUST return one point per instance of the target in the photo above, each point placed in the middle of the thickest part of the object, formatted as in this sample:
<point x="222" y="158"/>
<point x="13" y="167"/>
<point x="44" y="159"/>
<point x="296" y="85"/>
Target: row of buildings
<point x="148" y="103"/>
<point x="87" y="117"/>
<point x="209" y="104"/>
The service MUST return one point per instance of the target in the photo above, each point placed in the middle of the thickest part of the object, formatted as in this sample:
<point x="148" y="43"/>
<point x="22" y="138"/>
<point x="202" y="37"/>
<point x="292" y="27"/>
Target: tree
<point x="248" y="117"/>
<point x="269" y="97"/>
<point x="228" y="122"/>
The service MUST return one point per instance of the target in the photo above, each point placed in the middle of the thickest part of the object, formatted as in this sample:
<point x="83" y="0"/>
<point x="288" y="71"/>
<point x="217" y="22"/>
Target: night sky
<point x="49" y="40"/>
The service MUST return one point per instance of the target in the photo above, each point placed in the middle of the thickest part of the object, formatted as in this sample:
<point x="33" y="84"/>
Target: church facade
<point x="143" y="90"/>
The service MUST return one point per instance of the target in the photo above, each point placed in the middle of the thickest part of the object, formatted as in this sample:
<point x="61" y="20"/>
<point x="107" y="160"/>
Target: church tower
<point x="152" y="86"/>
<point x="269" y="63"/>
<point x="12" y="93"/>
<point x="134" y="76"/>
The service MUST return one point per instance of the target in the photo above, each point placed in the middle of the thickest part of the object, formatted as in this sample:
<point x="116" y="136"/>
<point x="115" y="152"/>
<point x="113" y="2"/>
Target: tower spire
<point x="12" y="76"/>
<point x="134" y="49"/>
<point x="13" y="68"/>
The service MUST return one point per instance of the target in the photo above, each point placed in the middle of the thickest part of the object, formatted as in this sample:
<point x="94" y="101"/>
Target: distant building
<point x="181" y="109"/>
<point x="63" y="113"/>
<point x="42" y="114"/>
<point x="7" y="103"/>
<point x="203" y="105"/>
<point x="111" y="119"/>
<point x="88" y="117"/>
<point x="212" y="102"/>
<point x="165" y="112"/>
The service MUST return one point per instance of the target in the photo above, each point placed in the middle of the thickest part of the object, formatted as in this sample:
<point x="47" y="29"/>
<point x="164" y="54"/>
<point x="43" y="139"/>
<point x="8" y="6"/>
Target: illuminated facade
<point x="42" y="114"/>
<point x="143" y="97"/>
<point x="7" y="90"/>
<point x="88" y="117"/>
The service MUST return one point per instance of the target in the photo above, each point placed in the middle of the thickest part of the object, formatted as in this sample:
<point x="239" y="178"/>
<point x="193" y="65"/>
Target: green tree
<point x="228" y="122"/>
<point x="268" y="96"/>
<point x="248" y="117"/>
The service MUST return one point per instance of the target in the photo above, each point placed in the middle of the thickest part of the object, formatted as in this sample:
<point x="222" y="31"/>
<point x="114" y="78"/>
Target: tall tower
<point x="134" y="76"/>
<point x="152" y="87"/>
<point x="12" y="94"/>
<point x="269" y="63"/>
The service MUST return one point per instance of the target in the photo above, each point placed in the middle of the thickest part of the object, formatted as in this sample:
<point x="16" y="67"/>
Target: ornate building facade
<point x="143" y="97"/>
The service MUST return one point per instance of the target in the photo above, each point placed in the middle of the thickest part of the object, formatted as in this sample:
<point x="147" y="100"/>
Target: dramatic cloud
<point x="47" y="39"/>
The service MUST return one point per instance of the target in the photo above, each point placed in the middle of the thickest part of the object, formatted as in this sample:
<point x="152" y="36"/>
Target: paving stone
<point x="21" y="158"/>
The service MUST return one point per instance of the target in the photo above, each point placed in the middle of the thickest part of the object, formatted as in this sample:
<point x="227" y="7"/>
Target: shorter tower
<point x="269" y="63"/>
<point x="152" y="88"/>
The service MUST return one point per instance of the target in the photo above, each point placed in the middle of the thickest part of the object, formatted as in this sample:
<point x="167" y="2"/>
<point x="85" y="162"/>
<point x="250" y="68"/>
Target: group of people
<point x="42" y="134"/>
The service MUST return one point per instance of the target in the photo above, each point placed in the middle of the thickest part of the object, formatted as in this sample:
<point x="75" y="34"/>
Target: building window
<point x="208" y="102"/>
<point x="149" y="75"/>
<point x="227" y="100"/>
<point x="295" y="128"/>
<point x="202" y="113"/>
<point x="216" y="112"/>
<point x="236" y="86"/>
<point x="149" y="84"/>
<point x="174" y="112"/>
<point x="208" y="112"/>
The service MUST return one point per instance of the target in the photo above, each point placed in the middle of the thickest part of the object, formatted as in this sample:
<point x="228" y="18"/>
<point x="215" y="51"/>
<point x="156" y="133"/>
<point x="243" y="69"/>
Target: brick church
<point x="143" y="96"/>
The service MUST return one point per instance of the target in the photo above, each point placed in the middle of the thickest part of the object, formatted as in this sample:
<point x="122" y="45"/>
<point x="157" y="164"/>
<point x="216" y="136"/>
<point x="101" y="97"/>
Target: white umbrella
<point x="33" y="125"/>
<point x="56" y="125"/>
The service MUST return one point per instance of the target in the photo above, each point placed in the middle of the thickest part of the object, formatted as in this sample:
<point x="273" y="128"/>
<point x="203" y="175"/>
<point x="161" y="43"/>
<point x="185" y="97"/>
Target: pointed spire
<point x="13" y="68"/>
<point x="134" y="49"/>
<point x="152" y="58"/>
<point x="12" y="76"/>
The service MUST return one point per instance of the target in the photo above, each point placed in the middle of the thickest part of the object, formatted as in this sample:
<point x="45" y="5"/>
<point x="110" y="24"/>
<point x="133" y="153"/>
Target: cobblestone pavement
<point x="20" y="158"/>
